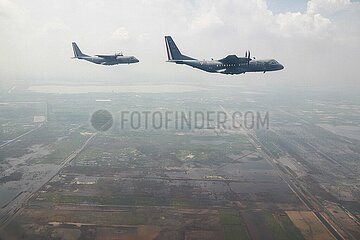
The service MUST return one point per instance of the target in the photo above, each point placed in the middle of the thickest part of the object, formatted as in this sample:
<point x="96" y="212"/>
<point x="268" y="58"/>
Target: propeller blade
<point x="248" y="57"/>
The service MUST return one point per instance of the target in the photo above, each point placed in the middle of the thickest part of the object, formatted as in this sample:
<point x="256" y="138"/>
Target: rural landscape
<point x="296" y="177"/>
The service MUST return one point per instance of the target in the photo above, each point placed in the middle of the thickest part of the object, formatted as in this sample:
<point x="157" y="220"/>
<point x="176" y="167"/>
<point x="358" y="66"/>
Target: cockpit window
<point x="273" y="62"/>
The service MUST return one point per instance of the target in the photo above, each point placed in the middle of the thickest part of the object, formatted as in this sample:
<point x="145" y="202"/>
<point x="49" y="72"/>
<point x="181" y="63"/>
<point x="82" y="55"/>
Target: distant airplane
<point x="117" y="58"/>
<point x="231" y="64"/>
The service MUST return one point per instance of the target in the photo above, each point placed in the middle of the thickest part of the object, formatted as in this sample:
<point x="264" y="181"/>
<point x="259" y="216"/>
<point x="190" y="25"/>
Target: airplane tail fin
<point x="77" y="51"/>
<point x="173" y="51"/>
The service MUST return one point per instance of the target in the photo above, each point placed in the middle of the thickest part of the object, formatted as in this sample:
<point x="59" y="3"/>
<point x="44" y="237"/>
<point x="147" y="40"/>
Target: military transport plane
<point x="231" y="64"/>
<point x="117" y="58"/>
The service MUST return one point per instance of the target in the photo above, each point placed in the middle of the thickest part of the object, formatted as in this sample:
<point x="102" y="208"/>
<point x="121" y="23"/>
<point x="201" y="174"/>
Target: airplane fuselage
<point x="215" y="66"/>
<point x="112" y="61"/>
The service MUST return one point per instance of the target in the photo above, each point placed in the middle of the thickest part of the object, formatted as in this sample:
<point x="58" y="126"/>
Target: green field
<point x="233" y="225"/>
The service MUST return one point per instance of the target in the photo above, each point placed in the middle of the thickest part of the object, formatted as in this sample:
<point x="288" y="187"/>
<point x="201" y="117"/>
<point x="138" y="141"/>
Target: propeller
<point x="119" y="54"/>
<point x="248" y="56"/>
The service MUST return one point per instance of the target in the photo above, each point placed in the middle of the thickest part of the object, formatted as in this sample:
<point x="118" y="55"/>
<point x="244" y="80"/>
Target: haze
<point x="318" y="42"/>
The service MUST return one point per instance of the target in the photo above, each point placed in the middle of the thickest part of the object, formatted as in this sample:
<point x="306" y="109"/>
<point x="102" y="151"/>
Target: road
<point x="297" y="187"/>
<point x="22" y="135"/>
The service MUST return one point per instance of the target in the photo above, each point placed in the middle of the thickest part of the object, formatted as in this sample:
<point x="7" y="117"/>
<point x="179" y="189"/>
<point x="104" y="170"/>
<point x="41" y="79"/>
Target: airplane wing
<point x="106" y="56"/>
<point x="182" y="61"/>
<point x="233" y="59"/>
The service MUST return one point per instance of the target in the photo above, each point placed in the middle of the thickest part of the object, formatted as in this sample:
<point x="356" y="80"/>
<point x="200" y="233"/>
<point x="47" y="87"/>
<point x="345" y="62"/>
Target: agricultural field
<point x="309" y="225"/>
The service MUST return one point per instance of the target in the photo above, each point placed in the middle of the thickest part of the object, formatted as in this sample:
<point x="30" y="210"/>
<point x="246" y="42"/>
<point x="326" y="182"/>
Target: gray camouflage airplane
<point x="117" y="58"/>
<point x="231" y="64"/>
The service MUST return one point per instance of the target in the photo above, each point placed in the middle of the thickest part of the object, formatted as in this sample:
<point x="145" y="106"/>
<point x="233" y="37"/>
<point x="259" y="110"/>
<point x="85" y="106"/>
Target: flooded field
<point x="63" y="180"/>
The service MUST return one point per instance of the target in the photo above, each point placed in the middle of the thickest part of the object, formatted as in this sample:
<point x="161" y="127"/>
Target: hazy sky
<point x="317" y="41"/>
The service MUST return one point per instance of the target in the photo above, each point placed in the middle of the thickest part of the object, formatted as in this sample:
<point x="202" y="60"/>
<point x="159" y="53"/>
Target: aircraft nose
<point x="281" y="67"/>
<point x="136" y="60"/>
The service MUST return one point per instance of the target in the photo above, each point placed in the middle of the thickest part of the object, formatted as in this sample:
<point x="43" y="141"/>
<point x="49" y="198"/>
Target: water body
<point x="33" y="175"/>
<point x="67" y="89"/>
<point x="7" y="193"/>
